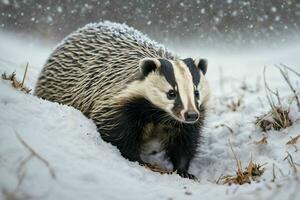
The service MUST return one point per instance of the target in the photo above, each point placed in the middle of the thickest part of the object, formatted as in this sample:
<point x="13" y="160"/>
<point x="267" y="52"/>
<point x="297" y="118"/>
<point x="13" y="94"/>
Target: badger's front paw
<point x="185" y="174"/>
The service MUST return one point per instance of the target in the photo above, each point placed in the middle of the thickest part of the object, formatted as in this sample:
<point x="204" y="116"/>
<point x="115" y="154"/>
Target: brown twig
<point x="24" y="76"/>
<point x="293" y="140"/>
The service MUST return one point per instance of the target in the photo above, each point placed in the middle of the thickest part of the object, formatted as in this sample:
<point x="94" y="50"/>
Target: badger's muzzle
<point x="191" y="116"/>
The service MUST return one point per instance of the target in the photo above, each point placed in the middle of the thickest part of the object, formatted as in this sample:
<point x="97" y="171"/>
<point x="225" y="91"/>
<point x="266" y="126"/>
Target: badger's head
<point x="177" y="87"/>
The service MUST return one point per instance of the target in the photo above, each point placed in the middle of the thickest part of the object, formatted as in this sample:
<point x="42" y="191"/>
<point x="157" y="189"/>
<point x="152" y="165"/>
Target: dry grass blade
<point x="262" y="141"/>
<point x="15" y="83"/>
<point x="270" y="92"/>
<point x="285" y="75"/>
<point x="35" y="154"/>
<point x="292" y="70"/>
<point x="290" y="159"/>
<point x="238" y="161"/>
<point x="293" y="140"/>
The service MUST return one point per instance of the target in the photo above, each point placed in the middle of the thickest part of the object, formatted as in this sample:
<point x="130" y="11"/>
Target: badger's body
<point x="133" y="89"/>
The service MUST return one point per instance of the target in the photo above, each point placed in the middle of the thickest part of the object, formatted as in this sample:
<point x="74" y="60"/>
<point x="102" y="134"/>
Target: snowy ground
<point x="75" y="163"/>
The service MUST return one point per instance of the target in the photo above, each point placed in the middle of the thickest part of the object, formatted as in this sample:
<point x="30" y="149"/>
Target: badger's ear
<point x="148" y="65"/>
<point x="201" y="64"/>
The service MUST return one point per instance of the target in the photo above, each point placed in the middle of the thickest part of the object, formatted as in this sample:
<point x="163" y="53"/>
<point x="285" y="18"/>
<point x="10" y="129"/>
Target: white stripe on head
<point x="205" y="91"/>
<point x="186" y="87"/>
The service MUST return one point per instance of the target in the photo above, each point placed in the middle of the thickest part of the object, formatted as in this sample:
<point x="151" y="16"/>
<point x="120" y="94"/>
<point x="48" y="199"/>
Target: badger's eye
<point x="171" y="94"/>
<point x="197" y="94"/>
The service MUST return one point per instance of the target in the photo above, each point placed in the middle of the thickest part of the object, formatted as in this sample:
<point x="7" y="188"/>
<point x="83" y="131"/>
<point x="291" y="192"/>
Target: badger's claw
<point x="185" y="174"/>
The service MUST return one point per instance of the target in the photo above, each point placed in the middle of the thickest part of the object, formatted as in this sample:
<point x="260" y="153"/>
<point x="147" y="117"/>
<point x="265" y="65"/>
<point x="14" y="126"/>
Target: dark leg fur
<point x="126" y="137"/>
<point x="181" y="150"/>
<point x="129" y="124"/>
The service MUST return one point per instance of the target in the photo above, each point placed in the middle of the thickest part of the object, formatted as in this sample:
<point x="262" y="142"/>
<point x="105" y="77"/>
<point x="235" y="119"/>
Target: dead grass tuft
<point x="251" y="172"/>
<point x="276" y="119"/>
<point x="235" y="104"/>
<point x="15" y="83"/>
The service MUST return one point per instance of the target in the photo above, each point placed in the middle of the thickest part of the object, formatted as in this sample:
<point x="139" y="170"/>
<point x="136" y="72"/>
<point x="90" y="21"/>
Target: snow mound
<point x="52" y="151"/>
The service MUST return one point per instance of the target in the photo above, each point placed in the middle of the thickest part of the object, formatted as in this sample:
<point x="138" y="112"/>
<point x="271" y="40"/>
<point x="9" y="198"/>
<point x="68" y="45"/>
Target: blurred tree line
<point x="232" y="21"/>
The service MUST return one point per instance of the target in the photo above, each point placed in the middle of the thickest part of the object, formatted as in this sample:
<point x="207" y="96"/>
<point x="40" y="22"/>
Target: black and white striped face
<point x="176" y="86"/>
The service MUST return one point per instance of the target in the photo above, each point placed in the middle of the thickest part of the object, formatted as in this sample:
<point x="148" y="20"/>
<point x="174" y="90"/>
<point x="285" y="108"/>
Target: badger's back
<point x="95" y="63"/>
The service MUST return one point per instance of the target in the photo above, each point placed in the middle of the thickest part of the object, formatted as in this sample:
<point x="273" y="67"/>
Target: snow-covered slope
<point x="51" y="151"/>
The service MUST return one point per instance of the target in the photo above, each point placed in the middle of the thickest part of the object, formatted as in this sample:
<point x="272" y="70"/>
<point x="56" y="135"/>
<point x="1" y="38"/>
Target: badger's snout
<point x="191" y="116"/>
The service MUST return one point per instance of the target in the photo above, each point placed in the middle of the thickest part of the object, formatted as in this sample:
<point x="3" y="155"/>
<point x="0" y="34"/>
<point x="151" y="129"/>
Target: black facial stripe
<point x="167" y="71"/>
<point x="193" y="69"/>
<point x="196" y="104"/>
<point x="177" y="106"/>
<point x="178" y="102"/>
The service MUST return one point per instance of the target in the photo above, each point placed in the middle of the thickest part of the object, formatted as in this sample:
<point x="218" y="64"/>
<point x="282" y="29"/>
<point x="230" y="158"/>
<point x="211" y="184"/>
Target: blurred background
<point x="205" y="23"/>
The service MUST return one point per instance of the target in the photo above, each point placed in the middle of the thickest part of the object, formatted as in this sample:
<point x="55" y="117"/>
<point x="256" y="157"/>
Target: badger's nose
<point x="191" y="116"/>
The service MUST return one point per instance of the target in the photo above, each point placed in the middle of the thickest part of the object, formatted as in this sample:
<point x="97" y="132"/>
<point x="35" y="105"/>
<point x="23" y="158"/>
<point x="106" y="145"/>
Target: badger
<point x="134" y="89"/>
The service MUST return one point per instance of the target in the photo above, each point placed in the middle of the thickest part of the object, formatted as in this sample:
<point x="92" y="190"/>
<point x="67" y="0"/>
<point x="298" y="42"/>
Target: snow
<point x="86" y="167"/>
